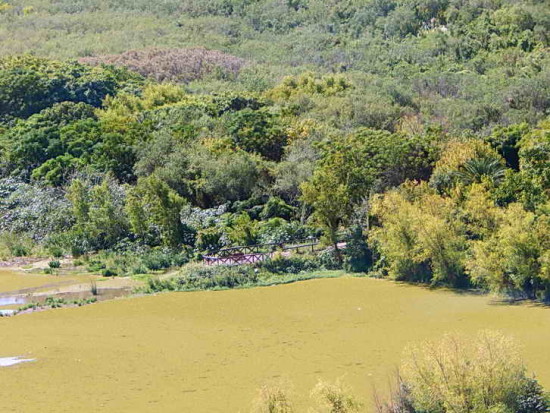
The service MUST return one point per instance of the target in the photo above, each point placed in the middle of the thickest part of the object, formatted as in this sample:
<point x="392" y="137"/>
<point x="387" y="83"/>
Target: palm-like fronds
<point x="477" y="170"/>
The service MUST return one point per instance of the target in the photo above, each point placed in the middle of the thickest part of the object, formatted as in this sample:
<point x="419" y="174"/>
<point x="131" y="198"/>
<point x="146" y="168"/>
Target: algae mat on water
<point x="13" y="280"/>
<point x="210" y="351"/>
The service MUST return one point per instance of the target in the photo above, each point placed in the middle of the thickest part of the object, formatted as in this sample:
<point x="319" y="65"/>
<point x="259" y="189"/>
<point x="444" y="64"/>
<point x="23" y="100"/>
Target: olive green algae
<point x="209" y="351"/>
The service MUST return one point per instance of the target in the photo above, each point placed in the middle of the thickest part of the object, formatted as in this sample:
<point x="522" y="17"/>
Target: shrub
<point x="159" y="260"/>
<point x="485" y="374"/>
<point x="56" y="252"/>
<point x="156" y="261"/>
<point x="14" y="245"/>
<point x="54" y="264"/>
<point x="277" y="230"/>
<point x="198" y="277"/>
<point x="420" y="238"/>
<point x="290" y="265"/>
<point x="277" y="208"/>
<point x="358" y="257"/>
<point x="513" y="256"/>
<point x="179" y="65"/>
<point x="96" y="266"/>
<point x="328" y="259"/>
<point x="109" y="272"/>
<point x="334" y="398"/>
<point x="272" y="399"/>
<point x="38" y="210"/>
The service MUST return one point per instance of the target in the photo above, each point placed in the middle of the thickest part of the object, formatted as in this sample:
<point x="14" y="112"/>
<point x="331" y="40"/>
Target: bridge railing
<point x="251" y="254"/>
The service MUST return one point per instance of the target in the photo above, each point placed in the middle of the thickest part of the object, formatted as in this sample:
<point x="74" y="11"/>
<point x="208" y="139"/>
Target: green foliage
<point x="312" y="110"/>
<point x="207" y="278"/>
<point x="534" y="155"/>
<point x="29" y="84"/>
<point x="311" y="84"/>
<point x="277" y="230"/>
<point x="224" y="176"/>
<point x="14" y="245"/>
<point x="485" y="374"/>
<point x="153" y="211"/>
<point x="330" y="258"/>
<point x="358" y="257"/>
<point x="478" y="170"/>
<point x="521" y="187"/>
<point x="272" y="399"/>
<point x="419" y="238"/>
<point x="99" y="215"/>
<point x="277" y="208"/>
<point x="258" y="132"/>
<point x="465" y="163"/>
<point x="54" y="144"/>
<point x="242" y="230"/>
<point x="334" y="398"/>
<point x="290" y="265"/>
<point x="513" y="257"/>
<point x="330" y="201"/>
<point x="506" y="141"/>
<point x="138" y="260"/>
<point x="370" y="159"/>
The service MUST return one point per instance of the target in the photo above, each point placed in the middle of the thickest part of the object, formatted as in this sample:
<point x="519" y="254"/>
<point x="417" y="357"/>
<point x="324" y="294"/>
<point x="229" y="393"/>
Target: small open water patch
<point x="6" y="313"/>
<point x="12" y="361"/>
<point x="11" y="300"/>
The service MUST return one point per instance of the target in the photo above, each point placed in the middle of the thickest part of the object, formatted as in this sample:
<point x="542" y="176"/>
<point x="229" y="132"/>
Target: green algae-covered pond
<point x="210" y="351"/>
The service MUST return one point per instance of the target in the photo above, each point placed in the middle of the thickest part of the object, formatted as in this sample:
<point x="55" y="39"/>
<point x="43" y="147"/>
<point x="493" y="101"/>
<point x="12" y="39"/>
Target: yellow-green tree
<point x="331" y="204"/>
<point x="153" y="210"/>
<point x="515" y="256"/>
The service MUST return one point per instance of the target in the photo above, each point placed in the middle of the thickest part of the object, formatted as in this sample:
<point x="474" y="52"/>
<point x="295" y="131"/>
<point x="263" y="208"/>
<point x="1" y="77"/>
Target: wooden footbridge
<point x="252" y="254"/>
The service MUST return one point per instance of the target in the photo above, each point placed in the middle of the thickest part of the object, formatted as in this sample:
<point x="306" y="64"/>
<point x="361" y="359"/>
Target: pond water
<point x="13" y="361"/>
<point x="12" y="280"/>
<point x="11" y="300"/>
<point x="210" y="351"/>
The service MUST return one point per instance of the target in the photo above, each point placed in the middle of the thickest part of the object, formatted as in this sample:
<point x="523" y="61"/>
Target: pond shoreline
<point x="130" y="352"/>
<point x="71" y="299"/>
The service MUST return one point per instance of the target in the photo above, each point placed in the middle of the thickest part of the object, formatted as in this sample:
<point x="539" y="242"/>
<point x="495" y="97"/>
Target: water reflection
<point x="12" y="361"/>
<point x="11" y="300"/>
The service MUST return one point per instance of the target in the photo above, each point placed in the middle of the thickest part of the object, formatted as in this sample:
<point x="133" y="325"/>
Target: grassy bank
<point x="199" y="278"/>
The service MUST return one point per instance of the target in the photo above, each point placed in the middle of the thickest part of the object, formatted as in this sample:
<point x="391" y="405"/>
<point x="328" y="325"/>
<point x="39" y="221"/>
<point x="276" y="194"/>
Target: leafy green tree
<point x="331" y="204"/>
<point x="30" y="84"/>
<point x="276" y="207"/>
<point x="258" y="131"/>
<point x="358" y="255"/>
<point x="514" y="257"/>
<point x="419" y="236"/>
<point x="521" y="187"/>
<point x="370" y="160"/>
<point x="153" y="210"/>
<point x="506" y="139"/>
<point x="98" y="212"/>
<point x="57" y="171"/>
<point x="296" y="167"/>
<point x="242" y="230"/>
<point x="465" y="163"/>
<point x="218" y="176"/>
<point x="535" y="155"/>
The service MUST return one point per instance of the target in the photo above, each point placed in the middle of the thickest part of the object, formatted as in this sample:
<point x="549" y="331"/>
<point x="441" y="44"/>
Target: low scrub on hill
<point x="176" y="65"/>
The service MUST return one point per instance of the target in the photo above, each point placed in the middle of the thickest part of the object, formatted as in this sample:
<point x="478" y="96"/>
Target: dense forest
<point x="416" y="131"/>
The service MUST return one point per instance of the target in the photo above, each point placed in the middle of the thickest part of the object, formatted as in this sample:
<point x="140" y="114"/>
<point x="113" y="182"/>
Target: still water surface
<point x="210" y="351"/>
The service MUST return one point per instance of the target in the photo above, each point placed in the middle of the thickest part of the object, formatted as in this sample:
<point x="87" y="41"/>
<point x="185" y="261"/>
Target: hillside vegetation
<point x="416" y="130"/>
